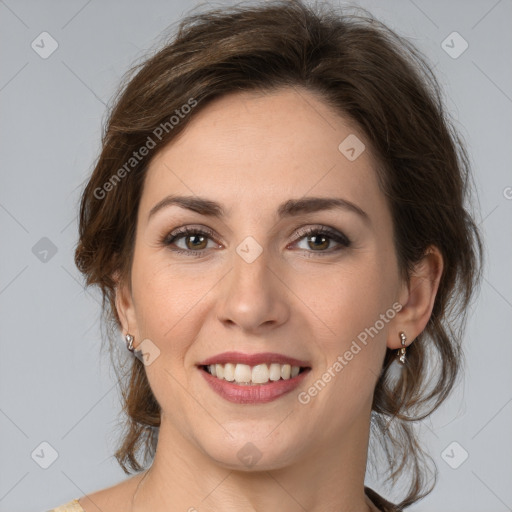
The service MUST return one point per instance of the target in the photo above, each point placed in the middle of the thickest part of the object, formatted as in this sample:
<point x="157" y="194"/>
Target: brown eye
<point x="318" y="242"/>
<point x="195" y="240"/>
<point x="319" y="239"/>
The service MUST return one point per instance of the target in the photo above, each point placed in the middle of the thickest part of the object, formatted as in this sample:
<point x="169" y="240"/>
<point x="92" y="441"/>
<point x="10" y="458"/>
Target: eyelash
<point x="170" y="238"/>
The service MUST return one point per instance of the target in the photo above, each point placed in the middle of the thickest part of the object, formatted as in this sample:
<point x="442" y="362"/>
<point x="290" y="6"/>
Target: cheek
<point x="354" y="296"/>
<point x="164" y="297"/>
<point x="166" y="305"/>
<point x="354" y="346"/>
<point x="356" y="304"/>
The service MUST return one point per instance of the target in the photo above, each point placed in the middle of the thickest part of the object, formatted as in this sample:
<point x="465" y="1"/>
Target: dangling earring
<point x="401" y="352"/>
<point x="129" y="342"/>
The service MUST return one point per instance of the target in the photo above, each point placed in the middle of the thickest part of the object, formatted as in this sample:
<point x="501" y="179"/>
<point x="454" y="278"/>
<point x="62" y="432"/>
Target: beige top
<point x="72" y="506"/>
<point x="379" y="501"/>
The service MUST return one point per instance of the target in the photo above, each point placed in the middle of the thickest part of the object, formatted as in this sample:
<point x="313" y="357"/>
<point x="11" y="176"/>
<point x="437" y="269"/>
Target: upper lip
<point x="253" y="359"/>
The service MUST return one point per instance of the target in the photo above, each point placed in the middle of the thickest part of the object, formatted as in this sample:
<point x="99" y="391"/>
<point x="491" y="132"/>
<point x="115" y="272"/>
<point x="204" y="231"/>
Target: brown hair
<point x="368" y="74"/>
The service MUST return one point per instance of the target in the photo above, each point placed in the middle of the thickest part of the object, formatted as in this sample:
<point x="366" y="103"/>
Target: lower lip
<point x="257" y="394"/>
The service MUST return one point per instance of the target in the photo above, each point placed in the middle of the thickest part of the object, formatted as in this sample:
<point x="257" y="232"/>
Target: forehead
<point x="253" y="149"/>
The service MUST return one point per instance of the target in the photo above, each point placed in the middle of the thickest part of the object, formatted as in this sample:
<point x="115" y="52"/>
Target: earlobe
<point x="420" y="297"/>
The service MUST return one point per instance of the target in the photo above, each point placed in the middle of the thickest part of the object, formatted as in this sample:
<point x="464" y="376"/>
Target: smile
<point x="244" y="378"/>
<point x="245" y="375"/>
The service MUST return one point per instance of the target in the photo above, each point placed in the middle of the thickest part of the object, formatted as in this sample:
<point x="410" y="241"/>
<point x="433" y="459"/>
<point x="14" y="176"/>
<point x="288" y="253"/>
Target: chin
<point x="247" y="452"/>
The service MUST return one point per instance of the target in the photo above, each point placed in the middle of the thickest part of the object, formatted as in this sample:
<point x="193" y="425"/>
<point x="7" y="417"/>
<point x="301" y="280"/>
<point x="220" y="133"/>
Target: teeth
<point x="229" y="371"/>
<point x="260" y="374"/>
<point x="242" y="373"/>
<point x="275" y="371"/>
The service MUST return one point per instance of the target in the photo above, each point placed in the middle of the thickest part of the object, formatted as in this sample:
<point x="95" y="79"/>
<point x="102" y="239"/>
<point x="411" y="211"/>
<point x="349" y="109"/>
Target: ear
<point x="417" y="299"/>
<point x="125" y="306"/>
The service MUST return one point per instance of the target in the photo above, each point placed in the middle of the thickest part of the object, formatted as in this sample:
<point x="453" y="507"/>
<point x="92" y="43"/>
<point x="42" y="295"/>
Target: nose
<point x="253" y="296"/>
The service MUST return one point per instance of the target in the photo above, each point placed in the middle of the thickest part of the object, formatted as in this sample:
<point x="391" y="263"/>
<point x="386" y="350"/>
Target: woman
<point x="277" y="222"/>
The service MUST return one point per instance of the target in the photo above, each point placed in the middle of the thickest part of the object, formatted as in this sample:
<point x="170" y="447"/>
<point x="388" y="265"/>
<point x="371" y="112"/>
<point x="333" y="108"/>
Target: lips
<point x="253" y="394"/>
<point x="253" y="378"/>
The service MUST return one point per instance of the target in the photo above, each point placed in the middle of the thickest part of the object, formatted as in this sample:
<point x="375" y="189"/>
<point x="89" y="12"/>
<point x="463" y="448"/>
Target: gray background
<point x="55" y="386"/>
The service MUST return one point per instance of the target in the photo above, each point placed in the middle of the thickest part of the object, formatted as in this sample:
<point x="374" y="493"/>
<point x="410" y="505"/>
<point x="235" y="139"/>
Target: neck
<point x="329" y="477"/>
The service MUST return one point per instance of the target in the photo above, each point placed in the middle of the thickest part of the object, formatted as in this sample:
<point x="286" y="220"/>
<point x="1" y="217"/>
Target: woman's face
<point x="256" y="282"/>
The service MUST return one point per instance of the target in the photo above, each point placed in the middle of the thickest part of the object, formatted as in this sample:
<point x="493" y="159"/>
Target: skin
<point x="251" y="152"/>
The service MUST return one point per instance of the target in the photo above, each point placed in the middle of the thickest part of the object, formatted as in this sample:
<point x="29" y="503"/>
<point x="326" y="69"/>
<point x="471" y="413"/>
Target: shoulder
<point x="115" y="499"/>
<point x="72" y="506"/>
<point x="381" y="503"/>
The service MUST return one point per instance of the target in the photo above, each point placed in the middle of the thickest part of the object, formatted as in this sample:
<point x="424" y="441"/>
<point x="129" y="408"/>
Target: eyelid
<point x="334" y="234"/>
<point x="298" y="234"/>
<point x="186" y="230"/>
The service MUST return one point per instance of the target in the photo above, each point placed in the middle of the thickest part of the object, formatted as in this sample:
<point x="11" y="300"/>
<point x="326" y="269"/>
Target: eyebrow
<point x="289" y="208"/>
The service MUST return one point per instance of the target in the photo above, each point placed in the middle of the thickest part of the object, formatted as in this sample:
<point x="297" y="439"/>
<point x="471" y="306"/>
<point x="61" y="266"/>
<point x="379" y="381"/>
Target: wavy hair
<point x="368" y="74"/>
